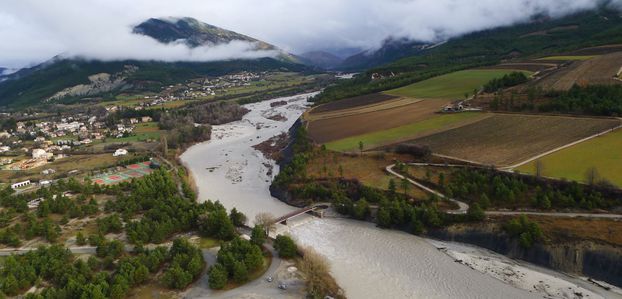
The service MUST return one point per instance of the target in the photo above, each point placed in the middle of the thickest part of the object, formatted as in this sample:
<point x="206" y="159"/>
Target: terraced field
<point x="602" y="153"/>
<point x="506" y="139"/>
<point x="450" y="86"/>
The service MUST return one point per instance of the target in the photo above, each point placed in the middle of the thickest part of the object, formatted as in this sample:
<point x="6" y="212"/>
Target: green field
<point x="450" y="86"/>
<point x="572" y="163"/>
<point x="568" y="57"/>
<point x="403" y="133"/>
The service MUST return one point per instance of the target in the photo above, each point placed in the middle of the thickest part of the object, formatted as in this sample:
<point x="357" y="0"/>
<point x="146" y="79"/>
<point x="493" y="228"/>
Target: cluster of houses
<point x="198" y="89"/>
<point x="53" y="138"/>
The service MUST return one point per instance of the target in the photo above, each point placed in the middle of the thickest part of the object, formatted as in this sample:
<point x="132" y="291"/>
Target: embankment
<point x="587" y="258"/>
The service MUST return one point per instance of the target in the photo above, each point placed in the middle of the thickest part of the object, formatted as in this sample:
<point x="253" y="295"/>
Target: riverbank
<point x="366" y="261"/>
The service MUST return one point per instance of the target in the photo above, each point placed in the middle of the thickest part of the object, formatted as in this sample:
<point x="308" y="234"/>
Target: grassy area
<point x="368" y="169"/>
<point x="602" y="152"/>
<point x="568" y="57"/>
<point x="208" y="242"/>
<point x="450" y="86"/>
<point x="379" y="138"/>
<point x="78" y="162"/>
<point x="146" y="127"/>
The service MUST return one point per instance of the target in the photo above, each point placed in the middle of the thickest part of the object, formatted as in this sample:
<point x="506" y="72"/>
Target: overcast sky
<point x="32" y="31"/>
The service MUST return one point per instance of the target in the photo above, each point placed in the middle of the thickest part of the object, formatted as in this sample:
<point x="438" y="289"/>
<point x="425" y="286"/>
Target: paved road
<point x="463" y="207"/>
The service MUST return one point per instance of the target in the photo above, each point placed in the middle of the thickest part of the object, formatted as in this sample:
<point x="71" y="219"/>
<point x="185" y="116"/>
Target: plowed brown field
<point x="329" y="129"/>
<point x="505" y="139"/>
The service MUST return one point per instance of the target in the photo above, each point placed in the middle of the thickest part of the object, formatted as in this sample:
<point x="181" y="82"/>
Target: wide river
<point x="366" y="261"/>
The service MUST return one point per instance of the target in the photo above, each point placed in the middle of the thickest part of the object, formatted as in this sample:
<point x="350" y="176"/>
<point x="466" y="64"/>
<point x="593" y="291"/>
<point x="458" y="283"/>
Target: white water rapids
<point x="366" y="261"/>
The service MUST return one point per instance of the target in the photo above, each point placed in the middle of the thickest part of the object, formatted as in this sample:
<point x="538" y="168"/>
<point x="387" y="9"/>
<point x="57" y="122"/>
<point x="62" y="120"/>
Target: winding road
<point x="464" y="207"/>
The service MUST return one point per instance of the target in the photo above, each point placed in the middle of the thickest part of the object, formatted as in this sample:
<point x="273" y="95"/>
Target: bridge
<point x="283" y="219"/>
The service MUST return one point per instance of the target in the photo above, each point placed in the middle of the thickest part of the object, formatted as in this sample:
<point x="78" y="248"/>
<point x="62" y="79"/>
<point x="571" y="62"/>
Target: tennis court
<point x="131" y="171"/>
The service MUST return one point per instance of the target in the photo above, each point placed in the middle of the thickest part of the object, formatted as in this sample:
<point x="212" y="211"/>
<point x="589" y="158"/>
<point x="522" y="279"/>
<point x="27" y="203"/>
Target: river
<point x="366" y="261"/>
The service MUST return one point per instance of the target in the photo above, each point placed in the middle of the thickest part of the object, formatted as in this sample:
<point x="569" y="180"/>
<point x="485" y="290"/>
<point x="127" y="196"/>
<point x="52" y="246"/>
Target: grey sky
<point x="32" y="31"/>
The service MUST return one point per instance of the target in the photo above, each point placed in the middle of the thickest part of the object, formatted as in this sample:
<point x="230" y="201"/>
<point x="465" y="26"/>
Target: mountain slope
<point x="321" y="59"/>
<point x="63" y="77"/>
<point x="391" y="50"/>
<point x="192" y="33"/>
<point x="541" y="36"/>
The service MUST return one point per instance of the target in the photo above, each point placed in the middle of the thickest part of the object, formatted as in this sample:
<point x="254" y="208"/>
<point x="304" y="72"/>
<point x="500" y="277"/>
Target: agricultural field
<point x="598" y="70"/>
<point x="450" y="86"/>
<point x="602" y="153"/>
<point x="331" y="129"/>
<point x="354" y="102"/>
<point x="391" y="104"/>
<point x="506" y="139"/>
<point x="407" y="132"/>
<point x="568" y="57"/>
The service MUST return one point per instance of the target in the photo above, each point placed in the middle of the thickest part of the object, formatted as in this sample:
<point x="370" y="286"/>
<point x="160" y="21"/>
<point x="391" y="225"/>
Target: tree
<point x="217" y="277"/>
<point x="265" y="220"/>
<point x="80" y="239"/>
<point x="361" y="209"/>
<point x="405" y="185"/>
<point x="475" y="212"/>
<point x="237" y="218"/>
<point x="361" y="146"/>
<point x="484" y="201"/>
<point x="392" y="187"/>
<point x="258" y="235"/>
<point x="591" y="176"/>
<point x="285" y="246"/>
<point x="240" y="273"/>
<point x="539" y="168"/>
<point x="340" y="169"/>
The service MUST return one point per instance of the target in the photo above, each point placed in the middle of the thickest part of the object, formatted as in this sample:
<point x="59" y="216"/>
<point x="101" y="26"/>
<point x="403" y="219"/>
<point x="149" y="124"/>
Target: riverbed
<point x="366" y="261"/>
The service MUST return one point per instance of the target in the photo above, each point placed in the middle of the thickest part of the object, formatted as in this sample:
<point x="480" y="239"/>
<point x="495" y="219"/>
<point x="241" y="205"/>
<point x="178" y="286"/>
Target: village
<point x="197" y="89"/>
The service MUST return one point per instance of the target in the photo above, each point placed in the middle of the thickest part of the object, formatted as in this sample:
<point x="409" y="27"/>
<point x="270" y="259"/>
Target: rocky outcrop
<point x="598" y="261"/>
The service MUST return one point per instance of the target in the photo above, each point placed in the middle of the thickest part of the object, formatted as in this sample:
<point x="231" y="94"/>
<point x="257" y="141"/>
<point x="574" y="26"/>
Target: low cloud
<point x="32" y="31"/>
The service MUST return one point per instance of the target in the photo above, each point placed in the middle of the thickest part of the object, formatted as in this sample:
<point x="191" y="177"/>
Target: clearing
<point x="602" y="153"/>
<point x="450" y="86"/>
<point x="505" y="139"/>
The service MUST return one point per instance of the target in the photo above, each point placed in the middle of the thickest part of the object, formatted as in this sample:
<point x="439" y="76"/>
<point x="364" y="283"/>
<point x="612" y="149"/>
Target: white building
<point x="120" y="152"/>
<point x="38" y="153"/>
<point x="20" y="184"/>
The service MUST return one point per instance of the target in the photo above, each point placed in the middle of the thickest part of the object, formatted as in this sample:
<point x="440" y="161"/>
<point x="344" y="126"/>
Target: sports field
<point x="131" y="171"/>
<point x="404" y="133"/>
<point x="450" y="86"/>
<point x="603" y="153"/>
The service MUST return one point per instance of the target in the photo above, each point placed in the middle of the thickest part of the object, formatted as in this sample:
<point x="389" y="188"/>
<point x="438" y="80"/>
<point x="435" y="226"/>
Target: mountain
<point x="392" y="49"/>
<point x="321" y="59"/>
<point x="194" y="33"/>
<point x="5" y="72"/>
<point x="539" y="37"/>
<point x="61" y="78"/>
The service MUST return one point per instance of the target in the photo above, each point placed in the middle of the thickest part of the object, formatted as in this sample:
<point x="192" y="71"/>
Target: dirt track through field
<point x="506" y="139"/>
